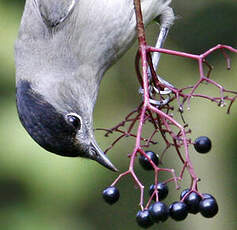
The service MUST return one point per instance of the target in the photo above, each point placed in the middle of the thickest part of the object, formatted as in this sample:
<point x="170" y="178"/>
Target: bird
<point x="62" y="51"/>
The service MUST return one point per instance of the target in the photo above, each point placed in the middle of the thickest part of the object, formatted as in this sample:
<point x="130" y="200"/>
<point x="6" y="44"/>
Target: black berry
<point x="144" y="162"/>
<point x="159" y="212"/>
<point x="192" y="201"/>
<point x="178" y="211"/>
<point x="208" y="207"/>
<point x="162" y="191"/>
<point x="202" y="144"/>
<point x="207" y="195"/>
<point x="184" y="192"/>
<point x="111" y="195"/>
<point x="143" y="219"/>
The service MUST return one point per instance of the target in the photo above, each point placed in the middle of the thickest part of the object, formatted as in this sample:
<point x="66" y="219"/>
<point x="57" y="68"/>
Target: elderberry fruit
<point x="192" y="201"/>
<point x="202" y="144"/>
<point x="184" y="192"/>
<point x="178" y="211"/>
<point x="162" y="191"/>
<point x="158" y="212"/>
<point x="208" y="207"/>
<point x="111" y="195"/>
<point x="144" y="162"/>
<point x="207" y="195"/>
<point x="143" y="219"/>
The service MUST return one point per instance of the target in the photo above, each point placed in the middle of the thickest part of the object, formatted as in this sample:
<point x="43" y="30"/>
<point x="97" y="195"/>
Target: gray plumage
<point x="63" y="49"/>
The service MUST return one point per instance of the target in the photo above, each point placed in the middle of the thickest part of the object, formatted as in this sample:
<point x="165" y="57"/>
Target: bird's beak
<point x="98" y="155"/>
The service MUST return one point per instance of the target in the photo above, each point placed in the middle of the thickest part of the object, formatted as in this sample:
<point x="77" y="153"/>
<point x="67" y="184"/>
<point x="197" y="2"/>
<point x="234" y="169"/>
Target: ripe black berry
<point x="178" y="211"/>
<point x="192" y="201"/>
<point x="202" y="144"/>
<point x="159" y="212"/>
<point x="162" y="191"/>
<point x="184" y="192"/>
<point x="143" y="219"/>
<point x="208" y="207"/>
<point x="111" y="195"/>
<point x="144" y="162"/>
<point x="207" y="195"/>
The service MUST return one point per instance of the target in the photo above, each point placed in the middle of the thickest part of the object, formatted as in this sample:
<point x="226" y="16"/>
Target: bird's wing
<point x="54" y="12"/>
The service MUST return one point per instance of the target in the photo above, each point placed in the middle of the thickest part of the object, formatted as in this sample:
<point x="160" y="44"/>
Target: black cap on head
<point x="50" y="129"/>
<point x="45" y="125"/>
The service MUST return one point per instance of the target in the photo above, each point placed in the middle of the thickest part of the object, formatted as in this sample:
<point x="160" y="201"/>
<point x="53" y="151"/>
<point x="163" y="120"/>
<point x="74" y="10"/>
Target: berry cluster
<point x="191" y="201"/>
<point x="158" y="109"/>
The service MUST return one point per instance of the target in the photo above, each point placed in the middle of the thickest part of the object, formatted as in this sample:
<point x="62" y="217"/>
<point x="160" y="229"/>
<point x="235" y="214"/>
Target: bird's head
<point x="59" y="129"/>
<point x="56" y="81"/>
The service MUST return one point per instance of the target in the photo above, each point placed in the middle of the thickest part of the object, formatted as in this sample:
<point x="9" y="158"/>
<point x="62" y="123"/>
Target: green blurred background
<point x="39" y="190"/>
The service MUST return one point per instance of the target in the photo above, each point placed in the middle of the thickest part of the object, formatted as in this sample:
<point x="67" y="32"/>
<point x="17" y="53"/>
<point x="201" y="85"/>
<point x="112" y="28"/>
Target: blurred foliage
<point x="192" y="35"/>
<point x="14" y="3"/>
<point x="39" y="190"/>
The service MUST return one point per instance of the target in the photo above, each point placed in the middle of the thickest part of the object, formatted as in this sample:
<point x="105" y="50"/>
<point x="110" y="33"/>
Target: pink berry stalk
<point x="161" y="116"/>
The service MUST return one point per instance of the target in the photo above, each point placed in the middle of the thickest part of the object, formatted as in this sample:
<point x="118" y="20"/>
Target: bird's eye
<point x="74" y="120"/>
